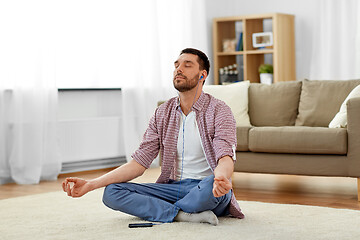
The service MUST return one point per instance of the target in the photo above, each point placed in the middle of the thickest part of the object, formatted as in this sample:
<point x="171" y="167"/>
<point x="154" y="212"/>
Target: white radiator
<point x="91" y="143"/>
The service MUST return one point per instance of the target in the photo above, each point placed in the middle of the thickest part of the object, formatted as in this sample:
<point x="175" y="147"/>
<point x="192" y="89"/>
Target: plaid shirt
<point x="217" y="131"/>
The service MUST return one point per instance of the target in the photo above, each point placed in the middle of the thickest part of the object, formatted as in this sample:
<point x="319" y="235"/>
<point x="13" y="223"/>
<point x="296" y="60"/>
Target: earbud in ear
<point x="201" y="77"/>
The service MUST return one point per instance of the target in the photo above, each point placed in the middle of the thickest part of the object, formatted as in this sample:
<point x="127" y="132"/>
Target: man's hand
<point x="221" y="186"/>
<point x="76" y="187"/>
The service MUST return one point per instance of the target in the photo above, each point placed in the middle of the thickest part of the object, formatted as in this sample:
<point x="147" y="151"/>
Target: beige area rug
<point x="56" y="216"/>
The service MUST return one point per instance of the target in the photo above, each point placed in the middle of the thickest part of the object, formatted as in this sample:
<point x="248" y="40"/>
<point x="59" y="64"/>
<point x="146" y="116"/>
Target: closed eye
<point x="189" y="63"/>
<point x="186" y="64"/>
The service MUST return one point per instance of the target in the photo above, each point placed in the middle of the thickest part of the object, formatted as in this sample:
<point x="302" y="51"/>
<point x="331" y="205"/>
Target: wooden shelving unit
<point x="281" y="55"/>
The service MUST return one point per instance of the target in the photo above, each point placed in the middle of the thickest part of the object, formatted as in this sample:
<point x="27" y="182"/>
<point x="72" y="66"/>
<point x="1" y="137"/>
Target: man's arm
<point x="223" y="171"/>
<point x="224" y="142"/>
<point x="77" y="187"/>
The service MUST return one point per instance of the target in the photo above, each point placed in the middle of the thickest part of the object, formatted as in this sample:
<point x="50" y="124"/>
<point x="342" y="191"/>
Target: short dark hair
<point x="202" y="58"/>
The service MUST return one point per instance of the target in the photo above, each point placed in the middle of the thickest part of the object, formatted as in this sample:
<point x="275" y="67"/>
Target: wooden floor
<point x="304" y="190"/>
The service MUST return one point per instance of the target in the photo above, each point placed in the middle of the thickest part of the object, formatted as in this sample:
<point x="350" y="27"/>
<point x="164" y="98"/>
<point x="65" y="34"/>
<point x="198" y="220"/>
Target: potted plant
<point x="266" y="73"/>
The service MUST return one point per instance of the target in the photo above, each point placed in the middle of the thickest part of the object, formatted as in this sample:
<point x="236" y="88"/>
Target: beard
<point x="185" y="84"/>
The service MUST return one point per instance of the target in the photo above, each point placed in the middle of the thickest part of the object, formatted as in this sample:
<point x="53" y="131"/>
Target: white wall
<point x="305" y="19"/>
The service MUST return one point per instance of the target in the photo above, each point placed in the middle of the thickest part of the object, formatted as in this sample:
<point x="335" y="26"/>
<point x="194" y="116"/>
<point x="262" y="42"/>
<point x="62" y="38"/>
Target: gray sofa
<point x="290" y="134"/>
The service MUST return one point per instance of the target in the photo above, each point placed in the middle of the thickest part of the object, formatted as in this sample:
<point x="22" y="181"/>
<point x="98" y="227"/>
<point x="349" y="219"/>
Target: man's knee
<point x="205" y="187"/>
<point x="206" y="191"/>
<point x="108" y="191"/>
<point x="111" y="194"/>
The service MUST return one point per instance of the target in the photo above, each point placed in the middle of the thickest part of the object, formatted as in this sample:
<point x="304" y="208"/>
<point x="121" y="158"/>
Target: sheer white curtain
<point x="28" y="95"/>
<point x="170" y="26"/>
<point x="336" y="51"/>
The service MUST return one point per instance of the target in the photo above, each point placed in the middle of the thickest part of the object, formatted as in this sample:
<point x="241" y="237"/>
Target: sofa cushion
<point x="340" y="119"/>
<point x="274" y="105"/>
<point x="235" y="96"/>
<point x="320" y="100"/>
<point x="242" y="135"/>
<point x="306" y="140"/>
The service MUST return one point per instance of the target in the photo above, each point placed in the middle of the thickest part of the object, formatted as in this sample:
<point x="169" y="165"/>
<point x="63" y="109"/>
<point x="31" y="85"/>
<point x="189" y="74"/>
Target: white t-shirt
<point x="191" y="160"/>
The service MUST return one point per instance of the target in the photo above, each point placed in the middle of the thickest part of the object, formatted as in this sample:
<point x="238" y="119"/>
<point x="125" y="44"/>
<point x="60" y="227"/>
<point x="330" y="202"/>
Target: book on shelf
<point x="239" y="46"/>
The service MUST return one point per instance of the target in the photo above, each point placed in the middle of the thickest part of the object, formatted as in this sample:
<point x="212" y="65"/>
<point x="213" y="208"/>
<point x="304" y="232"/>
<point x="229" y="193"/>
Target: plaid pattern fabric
<point x="217" y="129"/>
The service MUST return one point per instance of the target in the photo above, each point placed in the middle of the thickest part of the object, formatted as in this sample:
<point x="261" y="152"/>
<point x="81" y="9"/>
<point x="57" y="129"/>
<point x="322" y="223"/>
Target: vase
<point x="266" y="78"/>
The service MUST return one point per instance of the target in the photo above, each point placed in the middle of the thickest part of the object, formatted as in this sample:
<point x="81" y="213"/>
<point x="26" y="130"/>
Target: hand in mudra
<point x="221" y="186"/>
<point x="75" y="187"/>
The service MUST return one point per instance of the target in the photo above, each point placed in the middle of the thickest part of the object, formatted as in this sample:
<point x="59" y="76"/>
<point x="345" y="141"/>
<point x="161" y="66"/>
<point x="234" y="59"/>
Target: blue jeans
<point x="161" y="202"/>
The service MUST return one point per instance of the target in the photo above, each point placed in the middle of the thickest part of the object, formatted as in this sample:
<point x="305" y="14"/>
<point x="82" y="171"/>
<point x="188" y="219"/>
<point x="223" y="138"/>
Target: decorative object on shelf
<point x="228" y="74"/>
<point x="229" y="45"/>
<point x="262" y="39"/>
<point x="266" y="73"/>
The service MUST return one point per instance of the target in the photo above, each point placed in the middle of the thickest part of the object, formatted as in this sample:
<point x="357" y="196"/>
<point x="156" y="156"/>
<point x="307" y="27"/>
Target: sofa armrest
<point x="353" y="127"/>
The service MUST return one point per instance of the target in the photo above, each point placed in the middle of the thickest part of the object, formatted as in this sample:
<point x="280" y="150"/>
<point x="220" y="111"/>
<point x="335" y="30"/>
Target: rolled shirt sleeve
<point x="150" y="145"/>
<point x="225" y="132"/>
